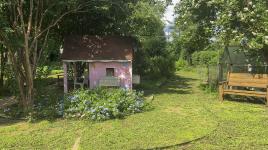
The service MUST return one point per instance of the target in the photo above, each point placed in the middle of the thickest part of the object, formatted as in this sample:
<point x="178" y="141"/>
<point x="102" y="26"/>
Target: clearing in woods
<point x="183" y="117"/>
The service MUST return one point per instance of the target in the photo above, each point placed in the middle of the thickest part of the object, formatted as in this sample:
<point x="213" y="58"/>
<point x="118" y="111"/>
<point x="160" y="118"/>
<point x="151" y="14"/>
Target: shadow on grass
<point x="245" y="99"/>
<point x="7" y="121"/>
<point x="175" y="85"/>
<point x="233" y="98"/>
<point x="180" y="145"/>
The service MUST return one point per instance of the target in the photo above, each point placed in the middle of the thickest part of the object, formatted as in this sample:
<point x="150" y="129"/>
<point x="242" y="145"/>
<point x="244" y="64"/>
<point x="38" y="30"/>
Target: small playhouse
<point x="94" y="61"/>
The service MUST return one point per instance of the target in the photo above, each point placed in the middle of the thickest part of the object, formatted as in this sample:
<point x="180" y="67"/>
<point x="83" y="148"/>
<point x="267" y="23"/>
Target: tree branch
<point x="19" y="9"/>
<point x="30" y="19"/>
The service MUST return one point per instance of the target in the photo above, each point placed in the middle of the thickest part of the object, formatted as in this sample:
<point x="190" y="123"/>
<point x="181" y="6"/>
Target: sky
<point x="169" y="17"/>
<point x="169" y="14"/>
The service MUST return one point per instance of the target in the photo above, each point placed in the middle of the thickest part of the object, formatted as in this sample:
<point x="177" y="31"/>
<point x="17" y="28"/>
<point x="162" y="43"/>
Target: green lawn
<point x="184" y="117"/>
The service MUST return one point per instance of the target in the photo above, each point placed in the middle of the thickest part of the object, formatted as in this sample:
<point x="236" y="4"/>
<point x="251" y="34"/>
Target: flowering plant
<point x="103" y="104"/>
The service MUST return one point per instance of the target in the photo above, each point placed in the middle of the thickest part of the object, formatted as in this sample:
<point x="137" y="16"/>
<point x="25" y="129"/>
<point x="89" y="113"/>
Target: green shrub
<point x="48" y="106"/>
<point x="54" y="72"/>
<point x="103" y="104"/>
<point x="45" y="107"/>
<point x="43" y="72"/>
<point x="205" y="58"/>
<point x="181" y="64"/>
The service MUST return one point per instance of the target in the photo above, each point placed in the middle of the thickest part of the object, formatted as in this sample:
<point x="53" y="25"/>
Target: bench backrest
<point x="248" y="80"/>
<point x="109" y="82"/>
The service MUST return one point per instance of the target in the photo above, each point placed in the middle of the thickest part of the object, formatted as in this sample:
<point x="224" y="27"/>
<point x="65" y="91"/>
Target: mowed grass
<point x="183" y="117"/>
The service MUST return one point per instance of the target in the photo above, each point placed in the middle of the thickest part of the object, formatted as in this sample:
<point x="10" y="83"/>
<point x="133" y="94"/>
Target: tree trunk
<point x="26" y="92"/>
<point x="25" y="82"/>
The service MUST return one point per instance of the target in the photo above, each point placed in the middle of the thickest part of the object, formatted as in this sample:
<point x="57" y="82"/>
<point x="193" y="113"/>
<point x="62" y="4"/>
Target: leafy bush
<point x="205" y="58"/>
<point x="45" y="107"/>
<point x="53" y="72"/>
<point x="103" y="104"/>
<point x="181" y="64"/>
<point x="43" y="72"/>
<point x="48" y="107"/>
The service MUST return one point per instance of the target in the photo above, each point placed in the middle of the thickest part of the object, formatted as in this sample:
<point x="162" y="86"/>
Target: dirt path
<point x="76" y="144"/>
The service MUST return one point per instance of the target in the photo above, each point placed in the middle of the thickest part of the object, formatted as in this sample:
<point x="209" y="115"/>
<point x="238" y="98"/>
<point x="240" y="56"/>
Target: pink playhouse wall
<point x="123" y="70"/>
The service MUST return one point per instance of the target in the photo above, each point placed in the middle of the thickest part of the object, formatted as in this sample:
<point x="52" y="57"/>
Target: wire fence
<point x="212" y="75"/>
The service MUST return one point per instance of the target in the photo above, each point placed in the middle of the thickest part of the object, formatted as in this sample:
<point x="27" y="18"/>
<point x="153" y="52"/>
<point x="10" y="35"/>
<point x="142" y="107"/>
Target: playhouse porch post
<point x="65" y="80"/>
<point x="90" y="77"/>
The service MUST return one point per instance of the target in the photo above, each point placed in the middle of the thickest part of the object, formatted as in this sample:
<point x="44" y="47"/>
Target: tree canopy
<point x="203" y="23"/>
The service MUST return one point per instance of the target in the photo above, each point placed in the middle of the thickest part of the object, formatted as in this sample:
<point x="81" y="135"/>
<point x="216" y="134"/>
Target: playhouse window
<point x="110" y="72"/>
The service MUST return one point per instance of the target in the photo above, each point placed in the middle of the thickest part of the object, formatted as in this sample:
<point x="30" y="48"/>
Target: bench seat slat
<point x="248" y="84"/>
<point x="259" y="81"/>
<point x="246" y="93"/>
<point x="248" y="75"/>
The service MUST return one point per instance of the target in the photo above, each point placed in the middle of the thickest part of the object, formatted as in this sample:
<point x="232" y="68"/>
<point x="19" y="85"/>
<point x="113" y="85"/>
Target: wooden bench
<point x="109" y="81"/>
<point x="245" y="81"/>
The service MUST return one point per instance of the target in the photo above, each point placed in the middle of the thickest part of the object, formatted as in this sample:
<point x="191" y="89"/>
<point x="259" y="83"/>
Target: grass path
<point x="184" y="117"/>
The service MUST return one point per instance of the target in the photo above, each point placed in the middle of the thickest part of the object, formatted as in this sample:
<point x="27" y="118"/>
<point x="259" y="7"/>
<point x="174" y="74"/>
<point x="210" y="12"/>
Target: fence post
<point x="220" y="72"/>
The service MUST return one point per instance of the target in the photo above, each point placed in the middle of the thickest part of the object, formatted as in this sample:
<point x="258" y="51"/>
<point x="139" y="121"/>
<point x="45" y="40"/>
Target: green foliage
<point x="48" y="105"/>
<point x="181" y="64"/>
<point x="10" y="84"/>
<point x="43" y="72"/>
<point x="103" y="104"/>
<point x="192" y="24"/>
<point x="153" y="58"/>
<point x="205" y="58"/>
<point x="206" y="22"/>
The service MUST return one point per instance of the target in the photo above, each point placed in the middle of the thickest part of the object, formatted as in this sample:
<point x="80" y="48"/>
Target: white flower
<point x="234" y="31"/>
<point x="266" y="39"/>
<point x="250" y="3"/>
<point x="246" y="9"/>
<point x="254" y="6"/>
<point x="252" y="20"/>
<point x="254" y="33"/>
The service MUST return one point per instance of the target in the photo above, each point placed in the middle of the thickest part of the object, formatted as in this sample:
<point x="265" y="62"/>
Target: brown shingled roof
<point x="98" y="48"/>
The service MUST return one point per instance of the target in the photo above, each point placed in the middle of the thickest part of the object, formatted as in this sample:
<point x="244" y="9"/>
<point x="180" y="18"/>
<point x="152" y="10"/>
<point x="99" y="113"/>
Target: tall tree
<point x="25" y="26"/>
<point x="223" y="21"/>
<point x="193" y="23"/>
